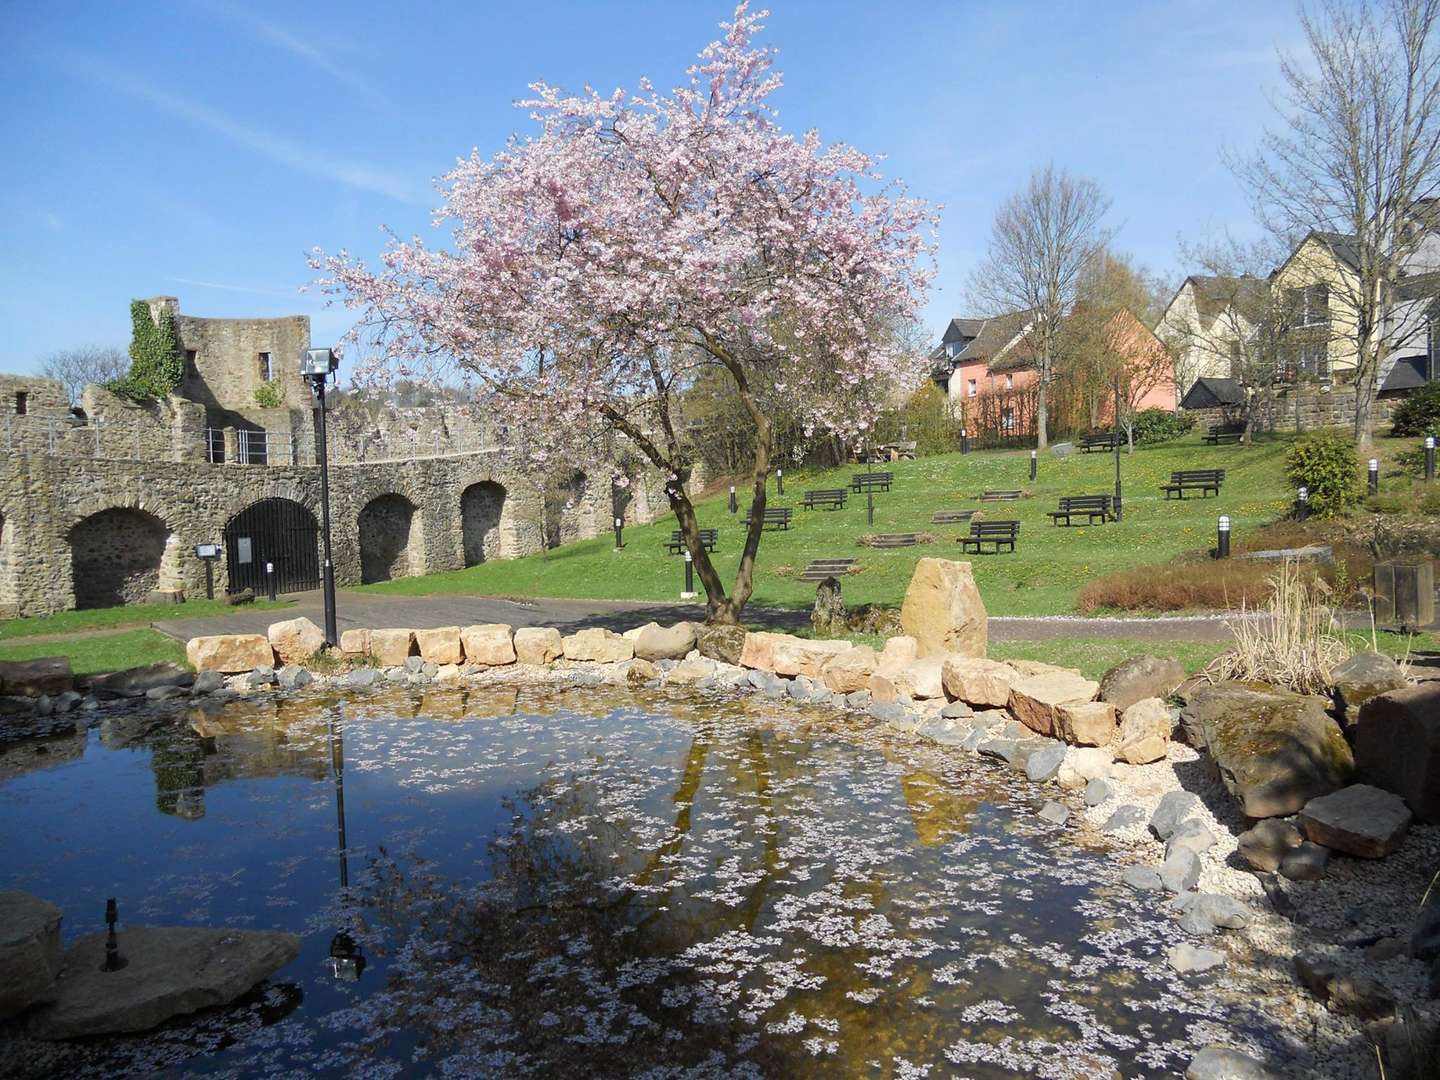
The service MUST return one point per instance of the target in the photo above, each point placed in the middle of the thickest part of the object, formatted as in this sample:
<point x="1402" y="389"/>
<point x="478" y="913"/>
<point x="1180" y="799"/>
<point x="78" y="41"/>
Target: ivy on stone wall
<point x="157" y="364"/>
<point x="270" y="394"/>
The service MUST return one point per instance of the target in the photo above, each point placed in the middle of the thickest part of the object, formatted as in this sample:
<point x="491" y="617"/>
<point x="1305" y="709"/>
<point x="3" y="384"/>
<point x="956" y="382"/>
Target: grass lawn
<point x="1041" y="577"/>
<point x="102" y="652"/>
<point x="70" y="622"/>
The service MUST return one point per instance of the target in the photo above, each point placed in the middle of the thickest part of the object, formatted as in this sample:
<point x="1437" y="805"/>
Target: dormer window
<point x="952" y="348"/>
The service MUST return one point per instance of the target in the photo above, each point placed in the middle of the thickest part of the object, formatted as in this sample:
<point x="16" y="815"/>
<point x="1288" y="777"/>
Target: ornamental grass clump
<point x="1294" y="643"/>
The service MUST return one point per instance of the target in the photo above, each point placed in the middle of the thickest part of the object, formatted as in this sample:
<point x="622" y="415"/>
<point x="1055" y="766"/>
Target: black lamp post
<point x="1116" y="440"/>
<point x="347" y="960"/>
<point x="316" y="366"/>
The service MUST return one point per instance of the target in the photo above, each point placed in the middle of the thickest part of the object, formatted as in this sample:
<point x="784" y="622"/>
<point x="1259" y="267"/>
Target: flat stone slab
<point x="171" y="971"/>
<point x="30" y="953"/>
<point x="1358" y="820"/>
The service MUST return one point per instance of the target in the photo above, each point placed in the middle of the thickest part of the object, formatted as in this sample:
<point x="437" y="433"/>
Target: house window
<point x="265" y="366"/>
<point x="1312" y="359"/>
<point x="970" y="388"/>
<point x="1007" y="420"/>
<point x="22" y="403"/>
<point x="190" y="366"/>
<point x="1311" y="305"/>
<point x="952" y="348"/>
<point x="1009" y="382"/>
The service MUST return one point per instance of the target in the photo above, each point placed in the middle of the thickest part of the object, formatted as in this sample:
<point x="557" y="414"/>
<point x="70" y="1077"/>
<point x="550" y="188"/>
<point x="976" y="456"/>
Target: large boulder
<point x="229" y="654"/>
<point x="1141" y="677"/>
<point x="169" y="971"/>
<point x="440" y="645"/>
<point x="850" y="671"/>
<point x="595" y="643"/>
<point x="917" y="679"/>
<point x="295" y="640"/>
<point x="1085" y="723"/>
<point x="1036" y="700"/>
<point x="943" y="611"/>
<point x="978" y="681"/>
<point x="1358" y="820"/>
<point x="1144" y="732"/>
<point x="1360" y="678"/>
<point x="491" y="644"/>
<point x="721" y="641"/>
<point x="1274" y="750"/>
<point x="655" y="642"/>
<point x="785" y="654"/>
<point x="30" y="678"/>
<point x="391" y="646"/>
<point x="1397" y="746"/>
<point x="30" y="951"/>
<point x="538" y="645"/>
<point x="355" y="642"/>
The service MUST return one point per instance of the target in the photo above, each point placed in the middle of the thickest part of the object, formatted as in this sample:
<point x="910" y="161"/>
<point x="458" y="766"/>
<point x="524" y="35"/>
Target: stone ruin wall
<point x="1316" y="409"/>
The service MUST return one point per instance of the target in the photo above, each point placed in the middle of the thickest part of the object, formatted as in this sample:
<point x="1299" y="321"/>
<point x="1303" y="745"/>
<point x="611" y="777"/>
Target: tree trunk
<point x="1042" y="403"/>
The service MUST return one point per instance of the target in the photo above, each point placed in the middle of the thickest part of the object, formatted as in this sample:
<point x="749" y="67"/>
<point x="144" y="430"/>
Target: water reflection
<point x="588" y="883"/>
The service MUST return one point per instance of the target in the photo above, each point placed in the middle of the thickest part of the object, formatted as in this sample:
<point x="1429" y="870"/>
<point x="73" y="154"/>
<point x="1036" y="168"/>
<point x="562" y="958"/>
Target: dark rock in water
<point x="1141" y="677"/>
<point x="1187" y="958"/>
<point x="1222" y="1063"/>
<point x="33" y="725"/>
<point x="361" y="677"/>
<point x="170" y="971"/>
<point x="1142" y="878"/>
<point x="30" y="951"/>
<point x="135" y="682"/>
<point x="31" y="678"/>
<point x="721" y="642"/>
<point x="1268" y="842"/>
<point x="1274" y="750"/>
<point x="1397" y="746"/>
<point x="1364" y="676"/>
<point x="1174" y="807"/>
<point x="1306" y="862"/>
<point x="207" y="682"/>
<point x="1358" y="820"/>
<point x="292" y="677"/>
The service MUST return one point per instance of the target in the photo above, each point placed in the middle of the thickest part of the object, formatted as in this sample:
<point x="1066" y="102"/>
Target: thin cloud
<point x="277" y="148"/>
<point x="226" y="287"/>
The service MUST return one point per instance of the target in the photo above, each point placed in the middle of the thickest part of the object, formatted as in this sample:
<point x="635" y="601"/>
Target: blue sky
<point x="200" y="147"/>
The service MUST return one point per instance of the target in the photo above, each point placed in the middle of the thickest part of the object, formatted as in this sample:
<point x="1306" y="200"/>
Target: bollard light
<point x="733" y="505"/>
<point x="270" y="578"/>
<point x="1374" y="476"/>
<point x="779" y="481"/>
<point x="1034" y="463"/>
<point x="964" y="441"/>
<point x="1222" y="537"/>
<point x="619" y="526"/>
<point x="1302" y="499"/>
<point x="1429" y="457"/>
<point x="689" y="593"/>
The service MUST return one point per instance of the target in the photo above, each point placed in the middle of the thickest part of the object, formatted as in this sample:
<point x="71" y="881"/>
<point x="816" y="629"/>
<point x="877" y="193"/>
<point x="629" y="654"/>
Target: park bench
<point x="1103" y="440"/>
<point x="1219" y="433"/>
<point x="1091" y="506"/>
<point x="834" y="498"/>
<point x="676" y="543"/>
<point x="871" y="481"/>
<point x="777" y="516"/>
<point x="1201" y="480"/>
<point x="990" y="532"/>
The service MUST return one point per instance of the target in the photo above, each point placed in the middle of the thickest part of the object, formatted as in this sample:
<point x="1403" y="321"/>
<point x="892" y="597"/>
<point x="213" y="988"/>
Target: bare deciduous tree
<point x="1358" y="153"/>
<point x="1042" y="238"/>
<point x="78" y="368"/>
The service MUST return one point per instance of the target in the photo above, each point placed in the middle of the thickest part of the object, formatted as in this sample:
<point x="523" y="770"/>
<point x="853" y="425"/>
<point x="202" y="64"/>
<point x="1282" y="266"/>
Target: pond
<point x="595" y="882"/>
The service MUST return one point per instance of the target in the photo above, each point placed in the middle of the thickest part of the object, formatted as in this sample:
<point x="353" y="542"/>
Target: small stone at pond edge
<point x="1044" y="763"/>
<point x="1054" y="813"/>
<point x="1174" y="807"/>
<point x="1098" y="790"/>
<point x="1180" y="870"/>
<point x="1222" y="1063"/>
<point x="1125" y="817"/>
<point x="1306" y="862"/>
<point x="1142" y="878"/>
<point x="1186" y="958"/>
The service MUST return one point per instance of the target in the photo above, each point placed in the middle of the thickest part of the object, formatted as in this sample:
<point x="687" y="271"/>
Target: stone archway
<point x="389" y="539"/>
<point x="482" y="506"/>
<point x="116" y="556"/>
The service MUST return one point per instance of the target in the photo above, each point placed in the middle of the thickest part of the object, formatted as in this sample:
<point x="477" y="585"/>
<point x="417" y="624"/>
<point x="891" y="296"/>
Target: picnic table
<point x="990" y="532"/>
<point x="708" y="539"/>
<point x="1091" y="506"/>
<point x="1201" y="480"/>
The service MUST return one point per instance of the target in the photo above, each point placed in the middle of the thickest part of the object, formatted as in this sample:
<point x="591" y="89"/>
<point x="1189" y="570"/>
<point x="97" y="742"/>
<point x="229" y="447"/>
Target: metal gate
<point x="278" y="531"/>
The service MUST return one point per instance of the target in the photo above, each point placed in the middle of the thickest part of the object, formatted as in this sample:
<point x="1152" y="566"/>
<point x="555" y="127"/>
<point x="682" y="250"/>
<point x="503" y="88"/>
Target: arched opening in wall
<point x="387" y="538"/>
<point x="563" y="493"/>
<point x="115" y="557"/>
<point x="481" y="506"/>
<point x="278" y="532"/>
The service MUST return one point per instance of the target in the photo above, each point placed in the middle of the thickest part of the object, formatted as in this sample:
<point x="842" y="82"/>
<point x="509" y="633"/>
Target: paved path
<point x="377" y="610"/>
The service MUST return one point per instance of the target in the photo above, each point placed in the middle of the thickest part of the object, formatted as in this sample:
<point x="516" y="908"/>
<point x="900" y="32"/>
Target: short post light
<point x="1034" y="464"/>
<point x="1374" y="476"/>
<point x="1222" y="537"/>
<point x="734" y="506"/>
<point x="270" y="580"/>
<point x="964" y="441"/>
<point x="619" y="533"/>
<point x="779" y="481"/>
<point x="316" y="366"/>
<point x="689" y="593"/>
<point x="1429" y="457"/>
<point x="208" y="553"/>
<point x="1302" y="503"/>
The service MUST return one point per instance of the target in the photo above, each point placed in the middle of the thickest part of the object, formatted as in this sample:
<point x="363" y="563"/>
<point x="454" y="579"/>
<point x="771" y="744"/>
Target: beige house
<point x="1205" y="322"/>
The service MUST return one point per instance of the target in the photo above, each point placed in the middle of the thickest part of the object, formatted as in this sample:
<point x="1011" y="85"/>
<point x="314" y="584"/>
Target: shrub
<point x="269" y="395"/>
<point x="1418" y="414"/>
<point x="1327" y="464"/>
<point x="1160" y="425"/>
<point x="157" y="367"/>
<point x="1178" y="586"/>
